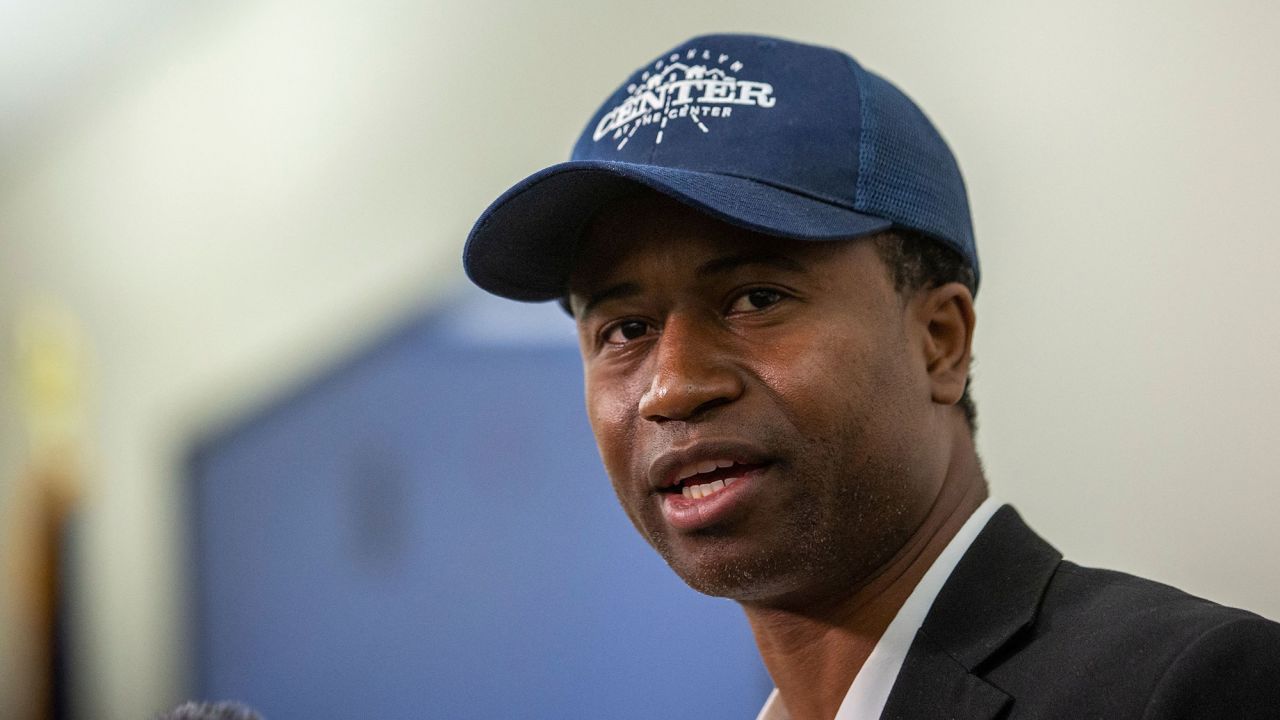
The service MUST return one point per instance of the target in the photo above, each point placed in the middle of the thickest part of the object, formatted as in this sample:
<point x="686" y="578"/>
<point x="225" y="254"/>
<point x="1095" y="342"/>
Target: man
<point x="768" y="254"/>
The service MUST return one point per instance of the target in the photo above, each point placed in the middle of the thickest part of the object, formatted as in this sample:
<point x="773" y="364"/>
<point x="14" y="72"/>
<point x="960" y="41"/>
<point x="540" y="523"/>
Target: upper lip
<point x="666" y="469"/>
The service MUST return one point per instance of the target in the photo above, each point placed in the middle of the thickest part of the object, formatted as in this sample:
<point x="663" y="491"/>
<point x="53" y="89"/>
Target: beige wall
<point x="253" y="191"/>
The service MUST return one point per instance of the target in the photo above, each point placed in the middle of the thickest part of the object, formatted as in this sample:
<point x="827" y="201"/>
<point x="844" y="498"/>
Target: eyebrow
<point x="721" y="265"/>
<point x="613" y="292"/>
<point x="710" y="268"/>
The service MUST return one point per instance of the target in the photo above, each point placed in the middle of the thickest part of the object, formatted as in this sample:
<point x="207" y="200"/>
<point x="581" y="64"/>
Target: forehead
<point x="652" y="236"/>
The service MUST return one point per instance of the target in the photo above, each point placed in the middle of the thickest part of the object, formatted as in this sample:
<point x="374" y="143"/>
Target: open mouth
<point x="710" y="477"/>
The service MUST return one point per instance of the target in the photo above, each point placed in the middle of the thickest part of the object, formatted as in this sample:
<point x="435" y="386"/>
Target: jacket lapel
<point x="993" y="593"/>
<point x="933" y="685"/>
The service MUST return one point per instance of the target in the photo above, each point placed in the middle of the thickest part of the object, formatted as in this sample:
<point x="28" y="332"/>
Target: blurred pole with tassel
<point x="50" y="369"/>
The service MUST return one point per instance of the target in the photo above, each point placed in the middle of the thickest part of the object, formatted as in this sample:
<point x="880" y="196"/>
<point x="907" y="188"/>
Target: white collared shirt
<point x="870" y="689"/>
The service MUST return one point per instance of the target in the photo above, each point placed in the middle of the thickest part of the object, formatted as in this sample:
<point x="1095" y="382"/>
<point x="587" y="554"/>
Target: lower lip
<point x="689" y="514"/>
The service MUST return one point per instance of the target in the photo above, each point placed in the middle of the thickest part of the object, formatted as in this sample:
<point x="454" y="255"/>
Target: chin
<point x="795" y="574"/>
<point x="741" y="585"/>
<point x="745" y="577"/>
<point x="750" y="586"/>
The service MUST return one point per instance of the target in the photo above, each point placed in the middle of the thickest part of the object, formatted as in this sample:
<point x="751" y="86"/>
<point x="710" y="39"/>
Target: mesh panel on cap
<point x="906" y="173"/>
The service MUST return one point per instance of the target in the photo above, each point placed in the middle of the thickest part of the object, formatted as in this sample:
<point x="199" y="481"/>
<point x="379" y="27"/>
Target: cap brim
<point x="522" y="246"/>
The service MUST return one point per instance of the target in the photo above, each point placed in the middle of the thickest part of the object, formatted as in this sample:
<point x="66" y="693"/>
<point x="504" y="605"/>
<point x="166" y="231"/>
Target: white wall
<point x="261" y="188"/>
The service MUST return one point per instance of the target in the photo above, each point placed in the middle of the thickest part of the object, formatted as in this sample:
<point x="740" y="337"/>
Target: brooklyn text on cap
<point x="769" y="135"/>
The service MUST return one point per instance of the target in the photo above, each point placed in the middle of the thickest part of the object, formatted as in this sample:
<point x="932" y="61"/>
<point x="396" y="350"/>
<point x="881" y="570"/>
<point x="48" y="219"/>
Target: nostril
<point x="710" y="405"/>
<point x="689" y="405"/>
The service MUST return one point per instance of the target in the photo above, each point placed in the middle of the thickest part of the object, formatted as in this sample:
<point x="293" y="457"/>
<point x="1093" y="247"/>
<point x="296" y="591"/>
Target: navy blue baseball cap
<point x="773" y="136"/>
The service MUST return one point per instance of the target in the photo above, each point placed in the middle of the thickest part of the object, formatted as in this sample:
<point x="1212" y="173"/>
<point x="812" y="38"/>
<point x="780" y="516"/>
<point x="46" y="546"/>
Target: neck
<point x="814" y="653"/>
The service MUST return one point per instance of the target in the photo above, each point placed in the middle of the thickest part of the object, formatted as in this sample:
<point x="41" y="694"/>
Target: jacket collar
<point x="993" y="593"/>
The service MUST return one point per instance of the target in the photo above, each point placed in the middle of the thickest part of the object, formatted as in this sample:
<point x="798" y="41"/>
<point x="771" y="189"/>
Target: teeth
<point x="697" y="492"/>
<point x="705" y="466"/>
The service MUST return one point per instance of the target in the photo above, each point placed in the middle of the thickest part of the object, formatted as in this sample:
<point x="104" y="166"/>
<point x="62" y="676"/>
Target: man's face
<point x="761" y="405"/>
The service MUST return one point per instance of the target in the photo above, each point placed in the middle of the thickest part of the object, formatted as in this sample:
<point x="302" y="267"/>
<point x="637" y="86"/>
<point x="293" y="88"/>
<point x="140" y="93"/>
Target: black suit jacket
<point x="1017" y="632"/>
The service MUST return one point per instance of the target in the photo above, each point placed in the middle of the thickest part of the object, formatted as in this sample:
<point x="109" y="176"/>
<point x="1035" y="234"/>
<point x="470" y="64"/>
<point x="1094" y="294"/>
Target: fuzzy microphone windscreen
<point x="210" y="711"/>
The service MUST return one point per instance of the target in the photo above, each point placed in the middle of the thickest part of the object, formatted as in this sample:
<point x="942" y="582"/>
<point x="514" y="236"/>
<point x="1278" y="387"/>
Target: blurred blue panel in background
<point x="427" y="532"/>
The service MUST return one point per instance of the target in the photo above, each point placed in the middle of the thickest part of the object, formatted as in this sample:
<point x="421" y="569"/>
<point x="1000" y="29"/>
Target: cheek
<point x="847" y="382"/>
<point x="612" y="417"/>
<point x="612" y="413"/>
<point x="818" y="377"/>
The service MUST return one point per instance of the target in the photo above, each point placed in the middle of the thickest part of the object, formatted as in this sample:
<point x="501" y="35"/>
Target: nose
<point x="691" y="374"/>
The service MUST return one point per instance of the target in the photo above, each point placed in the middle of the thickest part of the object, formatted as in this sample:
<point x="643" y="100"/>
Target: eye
<point x="755" y="299"/>
<point x="625" y="331"/>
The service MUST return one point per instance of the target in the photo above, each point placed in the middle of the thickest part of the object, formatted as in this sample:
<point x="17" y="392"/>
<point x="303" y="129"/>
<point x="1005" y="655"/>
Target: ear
<point x="946" y="313"/>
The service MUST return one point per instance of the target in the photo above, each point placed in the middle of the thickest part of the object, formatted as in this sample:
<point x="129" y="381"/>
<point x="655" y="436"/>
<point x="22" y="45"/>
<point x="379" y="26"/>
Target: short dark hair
<point x="918" y="262"/>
